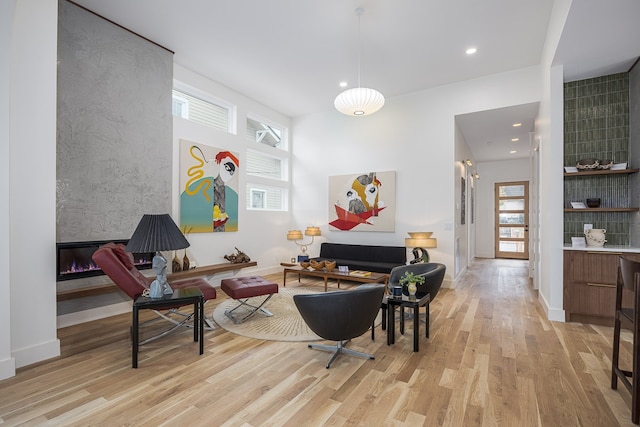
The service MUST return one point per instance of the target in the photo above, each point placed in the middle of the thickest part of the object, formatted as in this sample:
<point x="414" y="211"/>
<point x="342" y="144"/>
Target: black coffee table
<point x="179" y="297"/>
<point x="389" y="304"/>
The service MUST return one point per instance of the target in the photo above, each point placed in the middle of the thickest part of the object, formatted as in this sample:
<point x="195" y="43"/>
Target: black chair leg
<point x="616" y="353"/>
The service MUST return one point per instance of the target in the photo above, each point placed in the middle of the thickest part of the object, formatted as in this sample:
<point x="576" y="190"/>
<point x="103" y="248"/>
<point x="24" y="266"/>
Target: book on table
<point x="359" y="273"/>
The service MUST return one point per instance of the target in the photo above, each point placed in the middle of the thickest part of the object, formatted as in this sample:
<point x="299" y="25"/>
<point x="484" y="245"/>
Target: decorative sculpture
<point x="238" y="257"/>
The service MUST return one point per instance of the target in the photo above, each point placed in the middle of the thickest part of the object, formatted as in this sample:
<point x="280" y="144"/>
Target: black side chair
<point x="341" y="316"/>
<point x="432" y="272"/>
<point x="629" y="279"/>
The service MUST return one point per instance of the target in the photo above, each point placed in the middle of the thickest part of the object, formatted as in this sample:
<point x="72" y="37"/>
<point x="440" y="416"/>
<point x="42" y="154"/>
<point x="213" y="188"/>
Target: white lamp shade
<point x="312" y="231"/>
<point x="421" y="239"/>
<point x="360" y="101"/>
<point x="294" y="235"/>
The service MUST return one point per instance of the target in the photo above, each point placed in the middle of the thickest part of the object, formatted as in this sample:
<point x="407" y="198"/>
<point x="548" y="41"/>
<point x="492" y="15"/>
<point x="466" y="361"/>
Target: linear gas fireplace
<point x="74" y="259"/>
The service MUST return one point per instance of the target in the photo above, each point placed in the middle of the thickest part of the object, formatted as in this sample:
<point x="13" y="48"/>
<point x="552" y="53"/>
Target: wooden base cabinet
<point x="590" y="285"/>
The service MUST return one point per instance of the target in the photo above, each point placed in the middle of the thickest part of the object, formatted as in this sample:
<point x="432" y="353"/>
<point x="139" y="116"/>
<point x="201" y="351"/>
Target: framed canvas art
<point x="362" y="201"/>
<point x="463" y="200"/>
<point x="208" y="188"/>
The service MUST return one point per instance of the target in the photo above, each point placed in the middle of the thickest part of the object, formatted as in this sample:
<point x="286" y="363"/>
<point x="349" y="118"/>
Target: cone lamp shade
<point x="156" y="233"/>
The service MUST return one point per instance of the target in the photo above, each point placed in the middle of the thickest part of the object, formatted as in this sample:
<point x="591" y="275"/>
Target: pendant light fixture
<point x="360" y="101"/>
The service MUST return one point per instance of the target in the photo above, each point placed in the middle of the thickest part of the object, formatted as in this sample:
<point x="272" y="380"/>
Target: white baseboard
<point x="553" y="314"/>
<point x="7" y="368"/>
<point x="92" y="314"/>
<point x="37" y="353"/>
<point x="449" y="284"/>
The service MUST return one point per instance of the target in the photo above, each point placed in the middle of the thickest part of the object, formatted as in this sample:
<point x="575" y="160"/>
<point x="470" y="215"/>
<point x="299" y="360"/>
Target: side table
<point x="390" y="303"/>
<point x="179" y="297"/>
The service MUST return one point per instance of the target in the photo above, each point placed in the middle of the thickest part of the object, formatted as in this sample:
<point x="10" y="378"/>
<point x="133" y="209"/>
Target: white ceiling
<point x="491" y="132"/>
<point x="290" y="54"/>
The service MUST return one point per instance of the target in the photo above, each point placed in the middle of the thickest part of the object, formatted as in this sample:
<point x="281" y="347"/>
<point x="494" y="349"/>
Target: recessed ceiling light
<point x="471" y="51"/>
<point x="515" y="139"/>
<point x="512" y="152"/>
<point x="343" y="84"/>
<point x="517" y="125"/>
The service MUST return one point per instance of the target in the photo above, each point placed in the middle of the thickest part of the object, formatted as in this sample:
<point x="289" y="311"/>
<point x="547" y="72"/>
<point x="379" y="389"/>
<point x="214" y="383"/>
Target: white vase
<point x="412" y="288"/>
<point x="595" y="237"/>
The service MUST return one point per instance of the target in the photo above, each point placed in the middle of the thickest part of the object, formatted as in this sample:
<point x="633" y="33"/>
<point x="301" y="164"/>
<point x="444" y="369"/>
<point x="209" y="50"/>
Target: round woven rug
<point x="286" y="324"/>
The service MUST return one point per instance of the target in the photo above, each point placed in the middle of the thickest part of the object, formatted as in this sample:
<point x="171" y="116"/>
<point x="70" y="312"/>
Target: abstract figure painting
<point x="363" y="201"/>
<point x="463" y="200"/>
<point x="208" y="188"/>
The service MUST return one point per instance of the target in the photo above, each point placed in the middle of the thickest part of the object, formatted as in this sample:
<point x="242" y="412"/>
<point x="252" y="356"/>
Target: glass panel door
<point x="512" y="220"/>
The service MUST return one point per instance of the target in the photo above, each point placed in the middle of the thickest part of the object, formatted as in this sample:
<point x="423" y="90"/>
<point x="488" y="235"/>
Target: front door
<point x="512" y="219"/>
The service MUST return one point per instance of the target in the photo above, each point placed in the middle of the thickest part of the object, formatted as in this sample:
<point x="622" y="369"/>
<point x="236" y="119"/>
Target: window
<point x="261" y="197"/>
<point x="265" y="166"/>
<point x="265" y="133"/>
<point x="180" y="106"/>
<point x="186" y="105"/>
<point x="258" y="198"/>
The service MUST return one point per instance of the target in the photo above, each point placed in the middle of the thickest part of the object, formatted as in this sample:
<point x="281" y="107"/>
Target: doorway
<point x="512" y="219"/>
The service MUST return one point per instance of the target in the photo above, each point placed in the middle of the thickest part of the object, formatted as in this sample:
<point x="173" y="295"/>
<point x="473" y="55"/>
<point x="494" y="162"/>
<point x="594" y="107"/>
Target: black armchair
<point x="340" y="316"/>
<point x="432" y="272"/>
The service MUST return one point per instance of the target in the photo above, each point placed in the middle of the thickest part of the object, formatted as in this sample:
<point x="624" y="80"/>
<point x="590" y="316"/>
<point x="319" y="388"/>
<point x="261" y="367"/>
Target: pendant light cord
<point x="359" y="12"/>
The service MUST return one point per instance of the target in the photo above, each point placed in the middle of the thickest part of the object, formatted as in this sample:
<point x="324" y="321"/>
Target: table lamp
<point x="419" y="241"/>
<point x="157" y="233"/>
<point x="296" y="235"/>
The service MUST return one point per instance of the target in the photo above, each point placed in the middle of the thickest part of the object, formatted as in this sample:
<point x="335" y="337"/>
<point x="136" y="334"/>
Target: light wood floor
<point x="492" y="360"/>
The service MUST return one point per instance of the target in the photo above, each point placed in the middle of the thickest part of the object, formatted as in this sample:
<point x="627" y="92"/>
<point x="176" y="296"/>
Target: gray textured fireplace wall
<point x="114" y="128"/>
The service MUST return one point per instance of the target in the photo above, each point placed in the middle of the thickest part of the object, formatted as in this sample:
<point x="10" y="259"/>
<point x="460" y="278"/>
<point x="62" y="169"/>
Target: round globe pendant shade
<point x="360" y="101"/>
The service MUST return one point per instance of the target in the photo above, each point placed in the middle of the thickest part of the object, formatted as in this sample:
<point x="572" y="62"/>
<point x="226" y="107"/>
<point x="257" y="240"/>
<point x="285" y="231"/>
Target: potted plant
<point x="411" y="281"/>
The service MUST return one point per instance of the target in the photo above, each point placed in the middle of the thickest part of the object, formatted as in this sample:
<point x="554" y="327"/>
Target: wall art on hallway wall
<point x="363" y="201"/>
<point x="208" y="188"/>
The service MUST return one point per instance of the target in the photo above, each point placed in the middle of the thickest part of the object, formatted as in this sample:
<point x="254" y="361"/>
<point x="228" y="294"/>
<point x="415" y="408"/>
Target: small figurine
<point x="238" y="257"/>
<point x="160" y="286"/>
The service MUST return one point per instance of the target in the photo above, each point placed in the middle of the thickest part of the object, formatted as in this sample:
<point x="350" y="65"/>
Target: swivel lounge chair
<point x="117" y="263"/>
<point x="340" y="316"/>
<point x="432" y="272"/>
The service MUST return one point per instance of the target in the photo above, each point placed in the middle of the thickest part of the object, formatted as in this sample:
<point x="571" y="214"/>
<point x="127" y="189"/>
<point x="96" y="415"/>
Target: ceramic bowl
<point x="605" y="164"/>
<point x="593" y="203"/>
<point x="587" y="164"/>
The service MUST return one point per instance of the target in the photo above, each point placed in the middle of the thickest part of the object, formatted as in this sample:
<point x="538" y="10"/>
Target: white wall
<point x="550" y="128"/>
<point x="7" y="362"/>
<point x="463" y="232"/>
<point x="31" y="200"/>
<point x="490" y="173"/>
<point x="413" y="135"/>
<point x="261" y="234"/>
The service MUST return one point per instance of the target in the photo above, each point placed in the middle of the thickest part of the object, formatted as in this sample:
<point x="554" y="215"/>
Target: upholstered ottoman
<point x="243" y="288"/>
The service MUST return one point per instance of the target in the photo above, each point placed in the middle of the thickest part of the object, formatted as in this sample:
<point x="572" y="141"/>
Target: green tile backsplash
<point x="596" y="126"/>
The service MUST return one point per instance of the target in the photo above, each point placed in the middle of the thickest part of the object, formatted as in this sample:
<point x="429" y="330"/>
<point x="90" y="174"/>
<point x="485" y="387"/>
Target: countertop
<point x="605" y="248"/>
